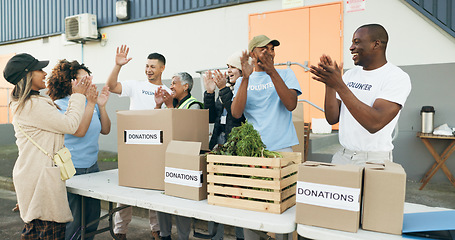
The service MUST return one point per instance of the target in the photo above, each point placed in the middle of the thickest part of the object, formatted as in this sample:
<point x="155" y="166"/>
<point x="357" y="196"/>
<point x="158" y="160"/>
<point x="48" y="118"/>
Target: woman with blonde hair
<point x="41" y="194"/>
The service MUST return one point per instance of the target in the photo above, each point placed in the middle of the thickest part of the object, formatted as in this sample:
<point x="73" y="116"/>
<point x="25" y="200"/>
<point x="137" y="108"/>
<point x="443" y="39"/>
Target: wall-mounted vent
<point x="82" y="27"/>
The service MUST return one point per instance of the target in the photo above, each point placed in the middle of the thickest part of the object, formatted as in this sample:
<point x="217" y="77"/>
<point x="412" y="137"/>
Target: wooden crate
<point x="238" y="182"/>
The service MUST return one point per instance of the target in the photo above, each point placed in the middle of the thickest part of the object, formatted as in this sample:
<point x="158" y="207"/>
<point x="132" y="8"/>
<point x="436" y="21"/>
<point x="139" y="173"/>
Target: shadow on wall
<point x="115" y="103"/>
<point x="7" y="133"/>
<point x="431" y="86"/>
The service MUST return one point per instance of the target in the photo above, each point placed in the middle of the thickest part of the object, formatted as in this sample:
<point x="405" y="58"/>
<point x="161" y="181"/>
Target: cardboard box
<point x="384" y="191"/>
<point x="320" y="126"/>
<point x="143" y="136"/>
<point x="185" y="171"/>
<point x="328" y="195"/>
<point x="253" y="183"/>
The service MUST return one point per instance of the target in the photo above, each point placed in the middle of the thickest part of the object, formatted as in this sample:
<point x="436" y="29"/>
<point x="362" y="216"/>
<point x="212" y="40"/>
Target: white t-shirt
<point x="388" y="82"/>
<point x="141" y="93"/>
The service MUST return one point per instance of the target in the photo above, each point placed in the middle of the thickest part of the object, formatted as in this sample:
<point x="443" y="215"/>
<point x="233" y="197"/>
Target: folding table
<point x="440" y="159"/>
<point x="104" y="186"/>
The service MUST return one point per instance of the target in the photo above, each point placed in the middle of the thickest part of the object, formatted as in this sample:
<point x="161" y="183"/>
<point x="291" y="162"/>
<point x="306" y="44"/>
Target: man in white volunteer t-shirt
<point x="142" y="97"/>
<point x="367" y="100"/>
<point x="141" y="93"/>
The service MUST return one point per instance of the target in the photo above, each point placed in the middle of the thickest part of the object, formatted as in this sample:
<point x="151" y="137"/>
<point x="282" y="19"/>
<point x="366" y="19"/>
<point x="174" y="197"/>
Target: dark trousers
<point x="92" y="210"/>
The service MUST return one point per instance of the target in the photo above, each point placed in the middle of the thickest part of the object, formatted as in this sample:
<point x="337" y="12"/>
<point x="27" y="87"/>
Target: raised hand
<point x="209" y="83"/>
<point x="82" y="85"/>
<point x="247" y="66"/>
<point x="121" y="58"/>
<point x="103" y="97"/>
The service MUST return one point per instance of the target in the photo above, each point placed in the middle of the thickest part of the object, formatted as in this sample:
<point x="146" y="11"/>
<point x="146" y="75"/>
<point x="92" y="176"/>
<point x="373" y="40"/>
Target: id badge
<point x="223" y="120"/>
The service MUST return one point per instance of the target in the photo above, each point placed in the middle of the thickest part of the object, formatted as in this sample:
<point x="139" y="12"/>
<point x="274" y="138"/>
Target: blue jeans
<point x="92" y="210"/>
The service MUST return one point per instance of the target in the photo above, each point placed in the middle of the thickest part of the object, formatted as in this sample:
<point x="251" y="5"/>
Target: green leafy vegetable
<point x="245" y="141"/>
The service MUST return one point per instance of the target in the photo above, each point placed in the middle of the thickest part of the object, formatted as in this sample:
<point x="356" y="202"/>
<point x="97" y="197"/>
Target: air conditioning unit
<point x="81" y="27"/>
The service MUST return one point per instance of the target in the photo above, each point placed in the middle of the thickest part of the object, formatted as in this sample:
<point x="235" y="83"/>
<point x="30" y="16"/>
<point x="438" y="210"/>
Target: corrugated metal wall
<point x="28" y="19"/>
<point x="441" y="12"/>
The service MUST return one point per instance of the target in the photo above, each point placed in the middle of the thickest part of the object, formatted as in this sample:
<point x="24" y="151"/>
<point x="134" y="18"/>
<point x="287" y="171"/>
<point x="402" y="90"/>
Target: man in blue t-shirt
<point x="267" y="96"/>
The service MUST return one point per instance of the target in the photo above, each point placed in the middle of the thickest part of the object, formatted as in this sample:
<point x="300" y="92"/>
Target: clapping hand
<point x="247" y="66"/>
<point x="265" y="61"/>
<point x="168" y="98"/>
<point x="92" y="94"/>
<point x="220" y="79"/>
<point x="159" y="97"/>
<point x="209" y="83"/>
<point x="81" y="86"/>
<point x="103" y="97"/>
<point x="162" y="96"/>
<point x="328" y="72"/>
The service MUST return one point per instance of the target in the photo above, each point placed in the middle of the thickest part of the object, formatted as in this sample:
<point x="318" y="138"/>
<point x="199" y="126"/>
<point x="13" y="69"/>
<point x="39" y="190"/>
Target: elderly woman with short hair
<point x="180" y="98"/>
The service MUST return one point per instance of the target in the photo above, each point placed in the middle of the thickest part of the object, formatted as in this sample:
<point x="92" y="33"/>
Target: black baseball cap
<point x="19" y="65"/>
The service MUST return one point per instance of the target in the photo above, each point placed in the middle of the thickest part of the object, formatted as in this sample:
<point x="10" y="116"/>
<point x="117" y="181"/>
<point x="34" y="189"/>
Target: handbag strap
<point x="36" y="144"/>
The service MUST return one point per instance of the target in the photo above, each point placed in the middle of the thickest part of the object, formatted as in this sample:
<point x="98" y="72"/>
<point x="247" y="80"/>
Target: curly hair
<point x="59" y="83"/>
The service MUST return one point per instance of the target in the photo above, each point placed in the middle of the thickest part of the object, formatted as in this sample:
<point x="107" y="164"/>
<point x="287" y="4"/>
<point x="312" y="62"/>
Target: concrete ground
<point x="435" y="194"/>
<point x="11" y="224"/>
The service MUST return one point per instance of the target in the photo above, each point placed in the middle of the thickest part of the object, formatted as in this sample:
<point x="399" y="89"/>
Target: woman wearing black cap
<point x="41" y="194"/>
